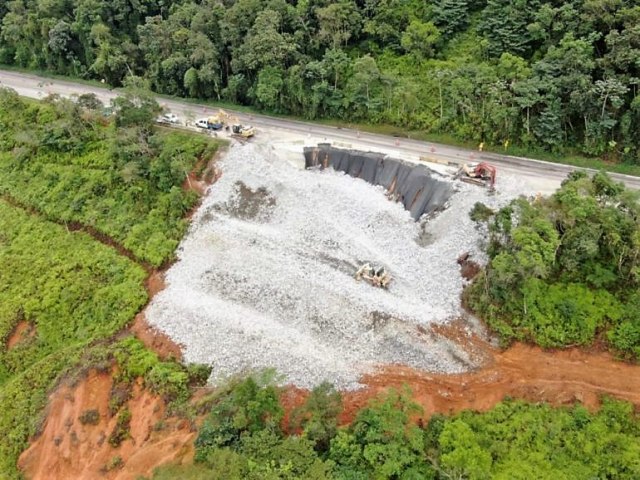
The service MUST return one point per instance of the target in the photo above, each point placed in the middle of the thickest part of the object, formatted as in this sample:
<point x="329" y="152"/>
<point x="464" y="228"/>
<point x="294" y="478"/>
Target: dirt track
<point x="522" y="371"/>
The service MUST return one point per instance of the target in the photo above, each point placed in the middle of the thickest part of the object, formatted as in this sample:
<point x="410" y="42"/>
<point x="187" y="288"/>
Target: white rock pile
<point x="265" y="276"/>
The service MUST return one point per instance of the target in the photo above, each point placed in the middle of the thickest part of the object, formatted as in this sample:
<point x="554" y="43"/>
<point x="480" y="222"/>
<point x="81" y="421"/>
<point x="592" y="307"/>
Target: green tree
<point x="269" y="88"/>
<point x="420" y="38"/>
<point x="339" y="22"/>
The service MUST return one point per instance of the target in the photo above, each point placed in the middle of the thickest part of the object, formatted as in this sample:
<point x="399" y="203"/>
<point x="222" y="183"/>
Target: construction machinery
<point x="223" y="118"/>
<point x="375" y="275"/>
<point x="244" y="131"/>
<point x="231" y="122"/>
<point x="483" y="174"/>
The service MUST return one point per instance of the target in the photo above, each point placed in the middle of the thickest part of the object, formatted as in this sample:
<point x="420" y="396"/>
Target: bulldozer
<point x="483" y="174"/>
<point x="376" y="276"/>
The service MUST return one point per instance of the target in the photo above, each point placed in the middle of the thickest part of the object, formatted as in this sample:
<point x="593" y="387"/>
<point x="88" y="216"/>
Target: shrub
<point x="480" y="212"/>
<point x="89" y="417"/>
<point x="121" y="431"/>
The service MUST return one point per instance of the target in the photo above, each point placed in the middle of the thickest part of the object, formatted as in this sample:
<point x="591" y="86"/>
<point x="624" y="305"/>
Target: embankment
<point x="415" y="186"/>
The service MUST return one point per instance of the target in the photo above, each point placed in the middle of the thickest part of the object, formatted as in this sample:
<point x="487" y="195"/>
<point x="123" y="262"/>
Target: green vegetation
<point x="121" y="431"/>
<point x="564" y="269"/>
<point x="72" y="186"/>
<point x="556" y="76"/>
<point x="243" y="439"/>
<point x="123" y="179"/>
<point x="73" y="290"/>
<point x="69" y="287"/>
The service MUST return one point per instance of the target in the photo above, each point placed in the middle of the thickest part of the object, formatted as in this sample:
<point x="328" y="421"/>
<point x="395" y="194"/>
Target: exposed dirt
<point x="154" y="283"/>
<point x="68" y="449"/>
<point x="158" y="341"/>
<point x="522" y="371"/>
<point x="192" y="182"/>
<point x="468" y="268"/>
<point x="459" y="332"/>
<point x="210" y="173"/>
<point x="22" y="331"/>
<point x="250" y="204"/>
<point x="154" y="339"/>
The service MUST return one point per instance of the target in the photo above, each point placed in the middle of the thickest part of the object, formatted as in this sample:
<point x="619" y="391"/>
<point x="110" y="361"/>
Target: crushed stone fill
<point x="265" y="275"/>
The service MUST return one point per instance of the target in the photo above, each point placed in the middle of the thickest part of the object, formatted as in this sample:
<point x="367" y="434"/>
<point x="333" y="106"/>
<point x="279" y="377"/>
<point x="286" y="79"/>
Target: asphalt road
<point x="546" y="175"/>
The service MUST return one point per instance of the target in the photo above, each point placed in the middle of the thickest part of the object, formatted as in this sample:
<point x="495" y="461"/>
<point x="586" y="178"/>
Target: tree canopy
<point x="242" y="438"/>
<point x="565" y="269"/>
<point x="543" y="73"/>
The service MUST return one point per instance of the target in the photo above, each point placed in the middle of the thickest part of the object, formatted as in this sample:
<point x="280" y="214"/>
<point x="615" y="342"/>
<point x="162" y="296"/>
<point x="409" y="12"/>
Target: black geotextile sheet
<point x="414" y="185"/>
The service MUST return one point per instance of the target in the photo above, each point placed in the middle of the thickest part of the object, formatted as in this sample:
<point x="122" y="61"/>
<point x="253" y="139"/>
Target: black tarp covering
<point x="413" y="185"/>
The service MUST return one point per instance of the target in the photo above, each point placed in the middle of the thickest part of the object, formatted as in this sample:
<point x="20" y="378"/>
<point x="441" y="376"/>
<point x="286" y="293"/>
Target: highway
<point x="544" y="176"/>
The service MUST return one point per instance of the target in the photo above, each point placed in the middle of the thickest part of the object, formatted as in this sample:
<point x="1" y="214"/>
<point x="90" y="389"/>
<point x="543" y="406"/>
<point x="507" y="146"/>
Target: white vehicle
<point x="169" y="118"/>
<point x="202" y="123"/>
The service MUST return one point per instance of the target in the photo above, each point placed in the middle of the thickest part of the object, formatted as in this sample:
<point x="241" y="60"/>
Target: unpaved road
<point x="544" y="175"/>
<point x="561" y="377"/>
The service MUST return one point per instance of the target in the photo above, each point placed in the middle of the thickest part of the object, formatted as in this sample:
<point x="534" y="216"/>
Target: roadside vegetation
<point x="123" y="178"/>
<point x="541" y="75"/>
<point x="564" y="270"/>
<point x="86" y="204"/>
<point x="244" y="438"/>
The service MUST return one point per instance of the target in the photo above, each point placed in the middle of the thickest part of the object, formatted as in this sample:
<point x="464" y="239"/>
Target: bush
<point x="480" y="212"/>
<point x="89" y="417"/>
<point x="247" y="407"/>
<point x="121" y="431"/>
<point x="198" y="374"/>
<point x="123" y="181"/>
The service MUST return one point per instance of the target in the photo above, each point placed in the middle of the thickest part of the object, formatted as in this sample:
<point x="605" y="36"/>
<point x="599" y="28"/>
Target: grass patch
<point x="75" y="290"/>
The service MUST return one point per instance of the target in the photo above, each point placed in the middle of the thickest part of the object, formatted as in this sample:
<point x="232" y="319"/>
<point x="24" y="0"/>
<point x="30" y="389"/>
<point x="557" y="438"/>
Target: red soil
<point x="68" y="449"/>
<point x="522" y="371"/>
<point x="22" y="331"/>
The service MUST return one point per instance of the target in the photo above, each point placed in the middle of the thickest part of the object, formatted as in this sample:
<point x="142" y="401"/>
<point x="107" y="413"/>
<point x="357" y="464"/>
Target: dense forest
<point x="538" y="73"/>
<point x="244" y="437"/>
<point x="564" y="270"/>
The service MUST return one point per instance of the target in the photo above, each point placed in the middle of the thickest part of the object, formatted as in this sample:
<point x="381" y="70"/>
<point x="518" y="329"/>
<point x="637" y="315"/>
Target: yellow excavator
<point x="244" y="131"/>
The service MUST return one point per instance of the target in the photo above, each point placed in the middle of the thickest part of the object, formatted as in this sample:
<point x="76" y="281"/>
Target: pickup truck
<point x="205" y="123"/>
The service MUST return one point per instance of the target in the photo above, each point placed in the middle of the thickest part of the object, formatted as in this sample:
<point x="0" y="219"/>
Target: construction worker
<point x="481" y="146"/>
<point x="506" y="144"/>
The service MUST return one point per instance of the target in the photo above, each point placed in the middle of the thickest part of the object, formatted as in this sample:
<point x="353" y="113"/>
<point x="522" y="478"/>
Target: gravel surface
<point x="265" y="275"/>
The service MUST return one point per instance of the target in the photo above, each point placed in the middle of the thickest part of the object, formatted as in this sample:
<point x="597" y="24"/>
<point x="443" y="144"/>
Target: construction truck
<point x="375" y="275"/>
<point x="483" y="174"/>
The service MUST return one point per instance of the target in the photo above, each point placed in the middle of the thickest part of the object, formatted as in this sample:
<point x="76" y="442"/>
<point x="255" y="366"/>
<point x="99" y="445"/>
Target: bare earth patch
<point x="22" y="331"/>
<point x="71" y="449"/>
